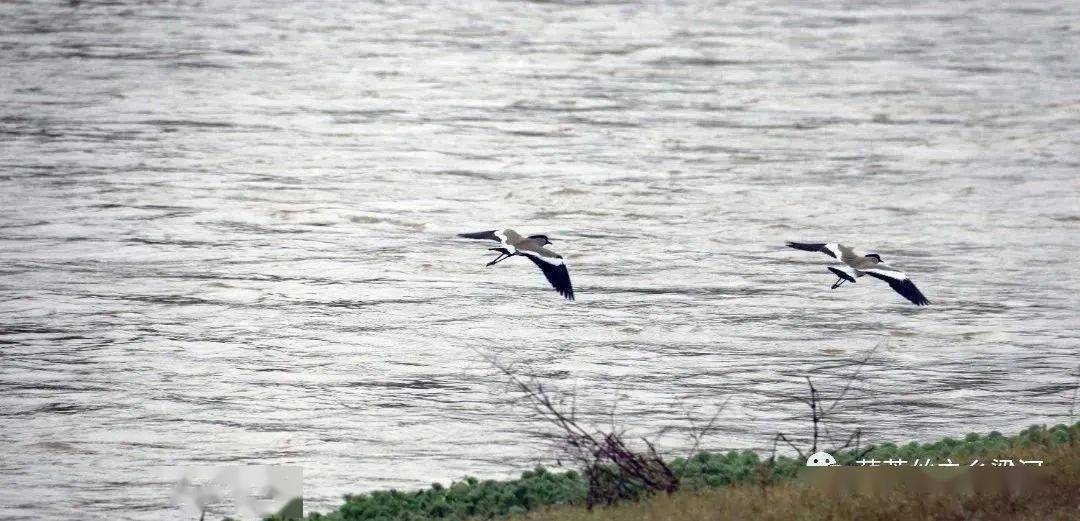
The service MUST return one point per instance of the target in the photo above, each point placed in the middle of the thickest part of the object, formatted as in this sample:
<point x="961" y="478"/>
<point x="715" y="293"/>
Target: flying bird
<point x="864" y="264"/>
<point x="549" y="262"/>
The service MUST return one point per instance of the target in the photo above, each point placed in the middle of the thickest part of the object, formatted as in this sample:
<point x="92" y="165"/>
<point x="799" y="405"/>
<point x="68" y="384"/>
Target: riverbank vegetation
<point x="1054" y="498"/>
<point x="743" y="485"/>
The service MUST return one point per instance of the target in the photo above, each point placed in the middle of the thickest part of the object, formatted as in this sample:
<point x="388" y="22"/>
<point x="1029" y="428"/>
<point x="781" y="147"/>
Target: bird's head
<point x="543" y="240"/>
<point x="875" y="256"/>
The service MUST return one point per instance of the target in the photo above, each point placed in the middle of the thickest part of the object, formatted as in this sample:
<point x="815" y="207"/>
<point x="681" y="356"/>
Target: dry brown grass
<point x="1058" y="498"/>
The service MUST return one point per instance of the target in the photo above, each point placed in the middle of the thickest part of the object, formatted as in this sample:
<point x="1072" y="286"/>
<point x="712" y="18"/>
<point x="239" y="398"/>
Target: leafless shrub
<point x="819" y="415"/>
<point x="613" y="470"/>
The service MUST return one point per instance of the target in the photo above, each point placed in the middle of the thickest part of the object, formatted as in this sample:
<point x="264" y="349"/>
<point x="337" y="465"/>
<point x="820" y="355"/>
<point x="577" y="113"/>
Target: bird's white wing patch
<point x="506" y="244"/>
<point x="834" y="249"/>
<point x="886" y="271"/>
<point x="554" y="261"/>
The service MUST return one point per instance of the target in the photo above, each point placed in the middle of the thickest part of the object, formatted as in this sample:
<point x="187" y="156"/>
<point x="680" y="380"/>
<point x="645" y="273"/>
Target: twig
<point x="1076" y="391"/>
<point x="780" y="436"/>
<point x="858" y="368"/>
<point x="813" y="412"/>
<point x="698" y="434"/>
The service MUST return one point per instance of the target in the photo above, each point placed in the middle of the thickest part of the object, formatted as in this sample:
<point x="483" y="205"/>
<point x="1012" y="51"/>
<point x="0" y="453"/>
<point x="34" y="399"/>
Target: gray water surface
<point x="227" y="230"/>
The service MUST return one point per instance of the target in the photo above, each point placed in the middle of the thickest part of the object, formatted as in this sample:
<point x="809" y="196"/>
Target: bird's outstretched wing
<point x="830" y="249"/>
<point x="899" y="282"/>
<point x="488" y="235"/>
<point x="555" y="270"/>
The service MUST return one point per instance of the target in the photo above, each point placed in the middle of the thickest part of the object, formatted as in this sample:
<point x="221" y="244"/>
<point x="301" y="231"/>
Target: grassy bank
<point x="1056" y="498"/>
<point x="735" y="485"/>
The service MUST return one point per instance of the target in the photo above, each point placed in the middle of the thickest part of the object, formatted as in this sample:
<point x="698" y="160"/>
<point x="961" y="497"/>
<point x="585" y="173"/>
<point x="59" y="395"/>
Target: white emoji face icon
<point x="820" y="459"/>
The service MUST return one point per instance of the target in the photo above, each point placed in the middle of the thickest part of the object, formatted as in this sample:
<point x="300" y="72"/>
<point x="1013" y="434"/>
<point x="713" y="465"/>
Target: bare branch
<point x="858" y="367"/>
<point x="697" y="434"/>
<point x="1076" y="391"/>
<point x="780" y="436"/>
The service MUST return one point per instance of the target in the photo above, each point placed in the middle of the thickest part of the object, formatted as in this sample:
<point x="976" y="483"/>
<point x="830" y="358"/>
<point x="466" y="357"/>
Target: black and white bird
<point x="864" y="264"/>
<point x="549" y="262"/>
